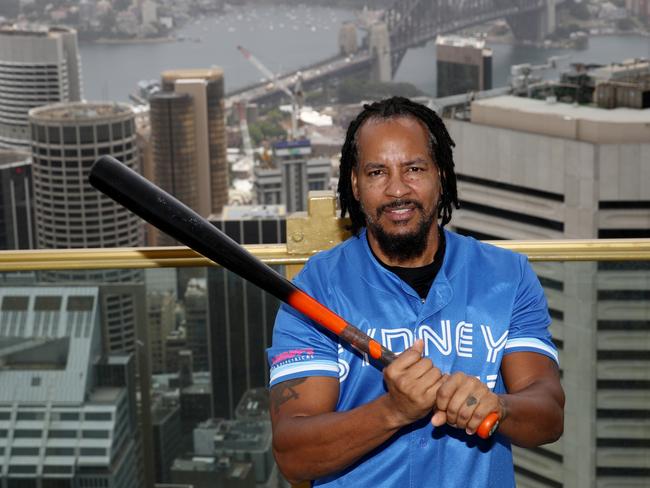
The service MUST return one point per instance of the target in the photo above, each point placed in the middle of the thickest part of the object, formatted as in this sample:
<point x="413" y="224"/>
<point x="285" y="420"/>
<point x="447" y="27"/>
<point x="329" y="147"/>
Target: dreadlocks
<point x="441" y="153"/>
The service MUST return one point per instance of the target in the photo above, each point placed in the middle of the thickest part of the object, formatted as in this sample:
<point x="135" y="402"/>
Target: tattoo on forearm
<point x="471" y="400"/>
<point x="283" y="392"/>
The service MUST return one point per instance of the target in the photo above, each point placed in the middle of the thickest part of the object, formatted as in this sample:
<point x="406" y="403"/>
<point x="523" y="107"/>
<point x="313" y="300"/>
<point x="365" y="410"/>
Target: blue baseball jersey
<point x="485" y="302"/>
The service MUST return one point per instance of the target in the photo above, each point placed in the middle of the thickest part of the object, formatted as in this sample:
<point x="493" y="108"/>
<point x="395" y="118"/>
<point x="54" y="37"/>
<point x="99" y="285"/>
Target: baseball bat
<point x="159" y="208"/>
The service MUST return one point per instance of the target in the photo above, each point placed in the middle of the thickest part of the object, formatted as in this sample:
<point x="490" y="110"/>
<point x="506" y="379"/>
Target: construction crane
<point x="243" y="127"/>
<point x="295" y="96"/>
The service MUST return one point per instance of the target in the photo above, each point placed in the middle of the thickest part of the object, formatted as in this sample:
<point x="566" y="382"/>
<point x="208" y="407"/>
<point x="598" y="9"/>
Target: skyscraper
<point x="240" y="315"/>
<point x="193" y="103"/>
<point x="463" y="64"/>
<point x="175" y="164"/>
<point x="38" y="66"/>
<point x="529" y="169"/>
<point x="66" y="140"/>
<point x="63" y="422"/>
<point x="196" y="322"/>
<point x="16" y="201"/>
<point x="294" y="175"/>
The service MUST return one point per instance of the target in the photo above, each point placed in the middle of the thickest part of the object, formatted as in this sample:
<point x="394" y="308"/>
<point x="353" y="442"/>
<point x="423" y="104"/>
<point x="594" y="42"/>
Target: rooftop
<point x="33" y="30"/>
<point x="213" y="73"/>
<point x="568" y="111"/>
<point x="80" y="111"/>
<point x="458" y="41"/>
<point x="49" y="335"/>
<point x="9" y="158"/>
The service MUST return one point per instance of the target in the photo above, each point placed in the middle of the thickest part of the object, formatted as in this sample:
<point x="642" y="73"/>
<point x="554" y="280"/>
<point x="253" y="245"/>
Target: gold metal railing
<point x="280" y="254"/>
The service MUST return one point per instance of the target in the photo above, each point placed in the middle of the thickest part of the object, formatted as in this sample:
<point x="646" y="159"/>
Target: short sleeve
<point x="530" y="318"/>
<point x="300" y="347"/>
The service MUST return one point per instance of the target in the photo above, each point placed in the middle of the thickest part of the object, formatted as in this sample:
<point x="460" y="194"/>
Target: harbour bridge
<point x="406" y="24"/>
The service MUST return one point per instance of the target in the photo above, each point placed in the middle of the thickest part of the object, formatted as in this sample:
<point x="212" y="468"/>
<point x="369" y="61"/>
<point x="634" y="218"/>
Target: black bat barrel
<point x="179" y="221"/>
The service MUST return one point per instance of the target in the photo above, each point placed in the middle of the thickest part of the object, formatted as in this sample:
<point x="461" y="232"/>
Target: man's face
<point x="397" y="185"/>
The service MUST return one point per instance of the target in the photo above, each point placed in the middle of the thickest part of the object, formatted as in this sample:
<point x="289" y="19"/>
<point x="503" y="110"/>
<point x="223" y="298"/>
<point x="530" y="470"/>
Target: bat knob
<point x="489" y="425"/>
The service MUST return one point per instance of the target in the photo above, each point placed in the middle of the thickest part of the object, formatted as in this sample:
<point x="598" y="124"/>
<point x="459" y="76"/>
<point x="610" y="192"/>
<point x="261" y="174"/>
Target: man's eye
<point x="375" y="172"/>
<point x="415" y="169"/>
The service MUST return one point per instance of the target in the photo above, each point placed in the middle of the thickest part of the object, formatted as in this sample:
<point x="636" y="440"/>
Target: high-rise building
<point x="640" y="8"/>
<point x="161" y="312"/>
<point x="530" y="169"/>
<point x="463" y="64"/>
<point x="63" y="422"/>
<point x="66" y="140"/>
<point x="166" y="422"/>
<point x="189" y="138"/>
<point x="204" y="472"/>
<point x="38" y="66"/>
<point x="241" y="315"/>
<point x="16" y="201"/>
<point x="174" y="150"/>
<point x="196" y="322"/>
<point x="294" y="175"/>
<point x="240" y="440"/>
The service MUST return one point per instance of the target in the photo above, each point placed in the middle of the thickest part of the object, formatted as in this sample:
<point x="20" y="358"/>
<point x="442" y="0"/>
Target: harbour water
<point x="286" y="38"/>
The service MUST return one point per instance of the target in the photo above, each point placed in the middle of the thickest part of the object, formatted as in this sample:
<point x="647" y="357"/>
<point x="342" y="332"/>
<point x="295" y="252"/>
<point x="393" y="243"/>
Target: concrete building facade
<point x="206" y="88"/>
<point x="66" y="140"/>
<point x="240" y="315"/>
<point x="294" y="175"/>
<point x="528" y="169"/>
<point x="16" y="201"/>
<point x="62" y="423"/>
<point x="463" y="65"/>
<point x="38" y="66"/>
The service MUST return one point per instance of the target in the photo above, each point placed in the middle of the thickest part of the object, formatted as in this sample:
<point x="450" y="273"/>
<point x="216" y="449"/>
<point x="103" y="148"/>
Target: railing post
<point x="315" y="230"/>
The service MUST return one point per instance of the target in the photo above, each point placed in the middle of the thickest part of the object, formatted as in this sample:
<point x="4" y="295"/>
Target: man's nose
<point x="397" y="186"/>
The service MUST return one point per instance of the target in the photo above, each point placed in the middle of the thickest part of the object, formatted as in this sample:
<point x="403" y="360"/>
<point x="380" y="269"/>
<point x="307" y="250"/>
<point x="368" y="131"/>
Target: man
<point x="471" y="320"/>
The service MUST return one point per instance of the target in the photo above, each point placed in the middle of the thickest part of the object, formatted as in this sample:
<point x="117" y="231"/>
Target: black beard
<point x="402" y="247"/>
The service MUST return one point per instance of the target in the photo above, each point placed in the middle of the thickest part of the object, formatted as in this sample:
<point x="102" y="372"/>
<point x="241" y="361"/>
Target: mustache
<point x="399" y="203"/>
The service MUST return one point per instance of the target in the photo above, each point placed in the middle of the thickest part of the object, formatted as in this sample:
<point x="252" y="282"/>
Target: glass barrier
<point x="198" y="336"/>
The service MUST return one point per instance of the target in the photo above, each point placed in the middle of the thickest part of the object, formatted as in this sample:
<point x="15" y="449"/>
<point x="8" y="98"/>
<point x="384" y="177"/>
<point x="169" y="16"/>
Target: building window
<point x="92" y="451"/>
<point x="27" y="434"/>
<point x="94" y="434"/>
<point x="24" y="451"/>
<point x="86" y="135"/>
<point x="45" y="303"/>
<point x="63" y="434"/>
<point x="117" y="130"/>
<point x="103" y="133"/>
<point x="54" y="134"/>
<point x="59" y="451"/>
<point x="30" y="416"/>
<point x="98" y="416"/>
<point x="70" y="135"/>
<point x="15" y="304"/>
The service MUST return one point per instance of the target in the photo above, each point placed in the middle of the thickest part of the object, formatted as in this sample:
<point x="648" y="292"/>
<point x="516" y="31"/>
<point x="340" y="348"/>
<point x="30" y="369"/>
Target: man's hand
<point x="412" y="383"/>
<point x="464" y="401"/>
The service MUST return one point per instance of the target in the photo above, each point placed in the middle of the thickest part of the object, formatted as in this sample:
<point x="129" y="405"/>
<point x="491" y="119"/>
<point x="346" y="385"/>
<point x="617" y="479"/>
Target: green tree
<point x="579" y="10"/>
<point x="355" y="90"/>
<point x="625" y="24"/>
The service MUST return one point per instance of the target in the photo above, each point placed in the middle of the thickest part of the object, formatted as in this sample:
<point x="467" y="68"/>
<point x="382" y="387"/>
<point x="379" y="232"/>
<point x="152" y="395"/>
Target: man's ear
<point x="355" y="181"/>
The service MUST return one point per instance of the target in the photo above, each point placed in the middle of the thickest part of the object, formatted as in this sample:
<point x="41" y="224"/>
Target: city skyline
<point x="558" y="152"/>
